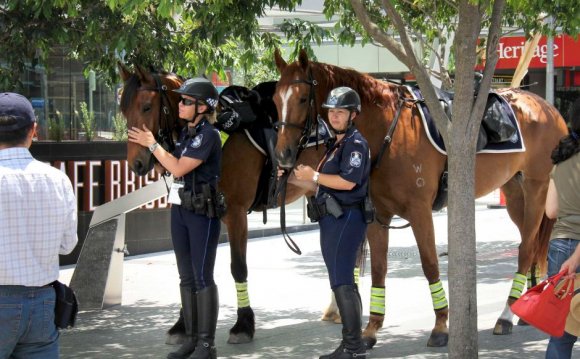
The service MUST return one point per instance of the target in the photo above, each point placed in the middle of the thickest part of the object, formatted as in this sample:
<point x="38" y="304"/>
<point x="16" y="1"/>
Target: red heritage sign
<point x="510" y="49"/>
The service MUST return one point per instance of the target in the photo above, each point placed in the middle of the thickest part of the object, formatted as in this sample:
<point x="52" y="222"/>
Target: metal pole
<point x="550" y="65"/>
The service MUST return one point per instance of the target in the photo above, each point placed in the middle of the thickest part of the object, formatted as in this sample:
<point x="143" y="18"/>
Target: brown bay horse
<point x="147" y="99"/>
<point x="406" y="181"/>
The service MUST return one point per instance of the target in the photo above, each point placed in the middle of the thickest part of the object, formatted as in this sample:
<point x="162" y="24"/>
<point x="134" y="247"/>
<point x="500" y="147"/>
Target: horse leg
<point x="378" y="238"/>
<point x="527" y="208"/>
<point x="422" y="225"/>
<point x="237" y="223"/>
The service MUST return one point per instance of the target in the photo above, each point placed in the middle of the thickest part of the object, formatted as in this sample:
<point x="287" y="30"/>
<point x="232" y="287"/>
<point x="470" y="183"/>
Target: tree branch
<point x="376" y="32"/>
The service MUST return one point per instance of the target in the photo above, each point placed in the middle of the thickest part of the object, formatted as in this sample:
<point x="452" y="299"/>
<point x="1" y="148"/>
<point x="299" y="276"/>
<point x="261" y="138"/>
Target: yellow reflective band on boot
<point x="243" y="297"/>
<point x="377" y="301"/>
<point x="356" y="275"/>
<point x="518" y="285"/>
<point x="438" y="295"/>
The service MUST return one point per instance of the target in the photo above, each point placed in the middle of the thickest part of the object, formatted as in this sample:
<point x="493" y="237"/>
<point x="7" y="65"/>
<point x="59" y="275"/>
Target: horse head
<point x="295" y="100"/>
<point x="147" y="100"/>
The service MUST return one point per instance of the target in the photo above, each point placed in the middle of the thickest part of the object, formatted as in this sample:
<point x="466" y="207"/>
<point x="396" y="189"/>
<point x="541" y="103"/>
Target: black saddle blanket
<point x="514" y="144"/>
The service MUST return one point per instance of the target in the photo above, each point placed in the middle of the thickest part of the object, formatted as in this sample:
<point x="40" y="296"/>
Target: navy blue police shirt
<point x="205" y="145"/>
<point x="351" y="159"/>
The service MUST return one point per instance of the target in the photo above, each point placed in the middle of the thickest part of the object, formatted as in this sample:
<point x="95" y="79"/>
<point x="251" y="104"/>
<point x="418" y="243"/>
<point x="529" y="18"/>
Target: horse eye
<point x="303" y="100"/>
<point x="147" y="108"/>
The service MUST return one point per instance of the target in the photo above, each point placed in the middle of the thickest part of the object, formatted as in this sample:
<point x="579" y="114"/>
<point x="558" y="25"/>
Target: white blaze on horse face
<point x="284" y="98"/>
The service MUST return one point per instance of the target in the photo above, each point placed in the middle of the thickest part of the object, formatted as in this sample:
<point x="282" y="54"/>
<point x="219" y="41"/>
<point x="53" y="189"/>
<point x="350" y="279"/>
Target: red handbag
<point x="546" y="305"/>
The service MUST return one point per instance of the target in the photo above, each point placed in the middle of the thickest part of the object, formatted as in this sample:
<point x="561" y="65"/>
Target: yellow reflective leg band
<point x="243" y="297"/>
<point x="438" y="295"/>
<point x="356" y="275"/>
<point x="377" y="301"/>
<point x="534" y="279"/>
<point x="518" y="285"/>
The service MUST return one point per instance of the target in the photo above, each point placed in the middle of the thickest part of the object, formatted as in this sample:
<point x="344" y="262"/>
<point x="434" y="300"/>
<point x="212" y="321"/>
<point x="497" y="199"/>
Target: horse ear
<point x="143" y="74"/>
<point x="303" y="59"/>
<point x="280" y="63"/>
<point x="124" y="71"/>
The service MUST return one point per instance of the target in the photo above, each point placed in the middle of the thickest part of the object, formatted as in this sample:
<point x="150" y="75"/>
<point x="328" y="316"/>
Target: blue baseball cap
<point x="17" y="106"/>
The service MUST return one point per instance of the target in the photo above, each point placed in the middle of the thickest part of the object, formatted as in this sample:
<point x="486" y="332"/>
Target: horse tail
<point x="543" y="238"/>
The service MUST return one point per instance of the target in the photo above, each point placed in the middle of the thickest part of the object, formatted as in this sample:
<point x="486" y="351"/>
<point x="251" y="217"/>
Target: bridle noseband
<point x="311" y="123"/>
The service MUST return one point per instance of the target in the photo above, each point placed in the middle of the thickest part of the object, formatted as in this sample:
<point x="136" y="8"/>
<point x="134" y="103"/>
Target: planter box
<point x="48" y="151"/>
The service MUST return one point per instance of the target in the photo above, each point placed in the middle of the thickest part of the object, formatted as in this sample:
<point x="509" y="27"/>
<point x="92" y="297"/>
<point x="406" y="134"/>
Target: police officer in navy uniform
<point x="342" y="177"/>
<point x="195" y="232"/>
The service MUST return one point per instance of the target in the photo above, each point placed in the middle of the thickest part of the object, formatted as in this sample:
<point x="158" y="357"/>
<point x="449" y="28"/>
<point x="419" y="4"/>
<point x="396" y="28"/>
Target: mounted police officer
<point x="342" y="208"/>
<point x="195" y="213"/>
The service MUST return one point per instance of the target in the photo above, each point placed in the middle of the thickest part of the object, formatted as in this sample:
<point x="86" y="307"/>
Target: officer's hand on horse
<point x="303" y="172"/>
<point x="143" y="137"/>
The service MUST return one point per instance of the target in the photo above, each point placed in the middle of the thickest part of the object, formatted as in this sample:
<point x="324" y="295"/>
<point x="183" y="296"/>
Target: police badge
<point x="355" y="159"/>
<point x="197" y="141"/>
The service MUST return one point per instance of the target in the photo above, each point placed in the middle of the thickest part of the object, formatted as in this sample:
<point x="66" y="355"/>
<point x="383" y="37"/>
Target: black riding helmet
<point x="343" y="97"/>
<point x="201" y="89"/>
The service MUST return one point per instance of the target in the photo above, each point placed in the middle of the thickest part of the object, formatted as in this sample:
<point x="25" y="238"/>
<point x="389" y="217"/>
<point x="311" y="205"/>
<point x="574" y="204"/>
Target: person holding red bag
<point x="563" y="203"/>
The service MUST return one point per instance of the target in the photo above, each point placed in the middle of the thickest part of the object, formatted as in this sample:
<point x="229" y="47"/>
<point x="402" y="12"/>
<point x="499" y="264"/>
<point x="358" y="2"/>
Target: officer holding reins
<point x="342" y="208"/>
<point x="195" y="212"/>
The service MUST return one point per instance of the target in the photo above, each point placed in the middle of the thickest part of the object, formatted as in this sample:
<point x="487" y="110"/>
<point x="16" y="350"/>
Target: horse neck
<point x="379" y="98"/>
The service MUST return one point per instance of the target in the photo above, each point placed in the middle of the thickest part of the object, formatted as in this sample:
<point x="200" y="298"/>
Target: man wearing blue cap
<point x="38" y="221"/>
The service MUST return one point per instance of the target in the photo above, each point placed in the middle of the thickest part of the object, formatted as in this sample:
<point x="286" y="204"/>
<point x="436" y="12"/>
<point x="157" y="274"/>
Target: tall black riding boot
<point x="349" y="306"/>
<point x="207" y="310"/>
<point x="189" y="307"/>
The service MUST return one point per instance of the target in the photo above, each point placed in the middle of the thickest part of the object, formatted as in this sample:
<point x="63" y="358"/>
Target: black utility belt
<point x="208" y="203"/>
<point x="330" y="206"/>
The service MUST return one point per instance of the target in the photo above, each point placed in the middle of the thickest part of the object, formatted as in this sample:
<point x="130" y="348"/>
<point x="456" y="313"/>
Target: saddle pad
<point x="514" y="144"/>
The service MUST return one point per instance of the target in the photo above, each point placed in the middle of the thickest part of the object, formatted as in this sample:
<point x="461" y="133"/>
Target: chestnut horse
<point x="406" y="181"/>
<point x="144" y="96"/>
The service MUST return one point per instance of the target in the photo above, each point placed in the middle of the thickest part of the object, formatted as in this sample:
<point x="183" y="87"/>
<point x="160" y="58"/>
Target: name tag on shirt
<point x="174" y="194"/>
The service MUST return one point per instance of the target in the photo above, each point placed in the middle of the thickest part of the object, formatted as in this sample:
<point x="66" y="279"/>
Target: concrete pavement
<point x="289" y="292"/>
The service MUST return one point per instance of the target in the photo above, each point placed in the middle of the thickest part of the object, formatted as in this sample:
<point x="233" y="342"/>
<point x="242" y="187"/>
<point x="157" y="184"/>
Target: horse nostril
<point x="288" y="154"/>
<point x="138" y="166"/>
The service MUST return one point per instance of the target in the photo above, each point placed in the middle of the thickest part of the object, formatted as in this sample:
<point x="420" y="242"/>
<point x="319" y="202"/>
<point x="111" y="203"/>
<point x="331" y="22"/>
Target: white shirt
<point x="38" y="219"/>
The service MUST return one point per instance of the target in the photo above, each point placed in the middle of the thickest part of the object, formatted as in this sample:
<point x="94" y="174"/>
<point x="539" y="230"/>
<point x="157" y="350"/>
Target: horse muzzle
<point x="286" y="158"/>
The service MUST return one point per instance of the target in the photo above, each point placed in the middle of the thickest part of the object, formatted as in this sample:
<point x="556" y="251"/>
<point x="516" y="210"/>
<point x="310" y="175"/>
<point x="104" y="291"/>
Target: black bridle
<point x="164" y="135"/>
<point x="311" y="123"/>
<point x="309" y="127"/>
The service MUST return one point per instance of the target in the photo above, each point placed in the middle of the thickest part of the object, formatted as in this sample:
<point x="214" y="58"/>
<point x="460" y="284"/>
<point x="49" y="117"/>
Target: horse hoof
<point x="175" y="339"/>
<point x="522" y="322"/>
<point x="438" y="340"/>
<point x="503" y="327"/>
<point x="240" y="338"/>
<point x="369" y="342"/>
<point x="331" y="317"/>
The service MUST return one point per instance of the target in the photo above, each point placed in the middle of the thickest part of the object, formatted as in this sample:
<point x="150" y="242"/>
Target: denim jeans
<point x="560" y="250"/>
<point x="27" y="329"/>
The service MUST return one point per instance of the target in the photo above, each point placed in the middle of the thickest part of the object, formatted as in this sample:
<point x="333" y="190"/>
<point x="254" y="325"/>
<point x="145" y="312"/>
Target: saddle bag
<point x="66" y="305"/>
<point x="496" y="122"/>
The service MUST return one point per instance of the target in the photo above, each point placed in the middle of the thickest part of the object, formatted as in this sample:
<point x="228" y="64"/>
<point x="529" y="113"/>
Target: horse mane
<point x="372" y="91"/>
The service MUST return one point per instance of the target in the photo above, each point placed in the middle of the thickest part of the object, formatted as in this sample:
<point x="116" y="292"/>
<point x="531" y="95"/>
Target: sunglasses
<point x="187" y="102"/>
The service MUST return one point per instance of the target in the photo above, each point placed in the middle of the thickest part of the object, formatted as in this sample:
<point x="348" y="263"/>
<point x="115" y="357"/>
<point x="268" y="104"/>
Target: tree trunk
<point x="463" y="343"/>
